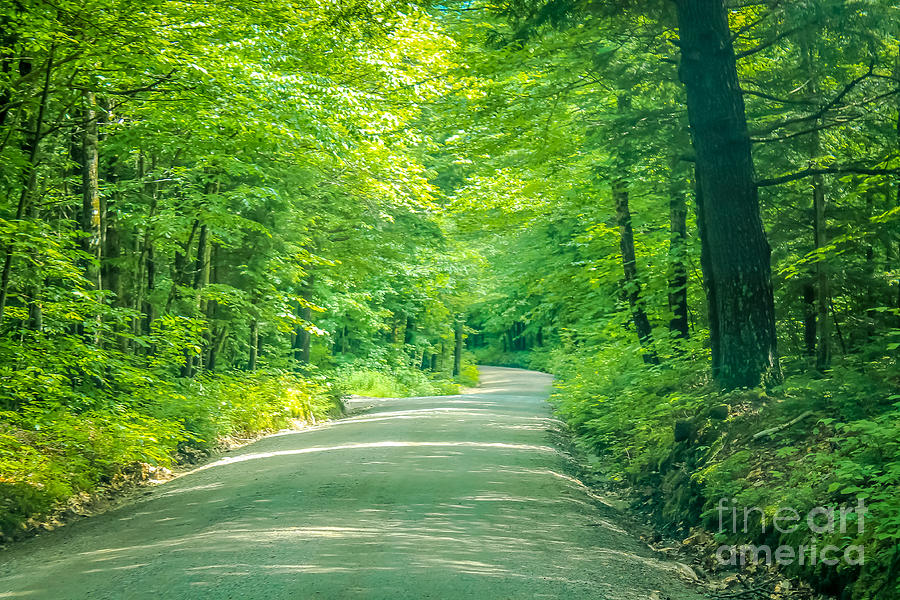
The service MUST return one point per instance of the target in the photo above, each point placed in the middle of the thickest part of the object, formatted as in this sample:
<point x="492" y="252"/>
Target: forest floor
<point x="451" y="497"/>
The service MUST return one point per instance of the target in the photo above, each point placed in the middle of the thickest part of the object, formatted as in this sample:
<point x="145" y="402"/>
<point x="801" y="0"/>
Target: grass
<point x="50" y="453"/>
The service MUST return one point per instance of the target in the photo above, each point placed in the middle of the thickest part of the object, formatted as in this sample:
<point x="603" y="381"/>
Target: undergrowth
<point x="398" y="381"/>
<point x="49" y="452"/>
<point x="846" y="450"/>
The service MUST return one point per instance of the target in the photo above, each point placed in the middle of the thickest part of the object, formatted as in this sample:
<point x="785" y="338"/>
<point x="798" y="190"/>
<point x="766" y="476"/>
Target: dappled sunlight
<point x="386" y="444"/>
<point x="415" y="507"/>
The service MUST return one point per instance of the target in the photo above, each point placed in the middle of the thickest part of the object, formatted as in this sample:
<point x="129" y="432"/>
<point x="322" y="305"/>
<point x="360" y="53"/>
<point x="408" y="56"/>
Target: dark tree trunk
<point x="302" y="337"/>
<point x="629" y="265"/>
<point x="897" y="199"/>
<point x="31" y="149"/>
<point x="809" y="318"/>
<point x="820" y="227"/>
<point x="737" y="266"/>
<point x="254" y="345"/>
<point x="409" y="329"/>
<point x="217" y="330"/>
<point x="146" y="268"/>
<point x="201" y="269"/>
<point x="678" y="325"/>
<point x="457" y="345"/>
<point x="149" y="309"/>
<point x="113" y="252"/>
<point x="179" y="267"/>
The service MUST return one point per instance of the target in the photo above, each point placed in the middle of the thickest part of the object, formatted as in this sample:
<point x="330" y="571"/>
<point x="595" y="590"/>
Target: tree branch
<point x="770" y="42"/>
<point x="826" y="107"/>
<point x="825" y="171"/>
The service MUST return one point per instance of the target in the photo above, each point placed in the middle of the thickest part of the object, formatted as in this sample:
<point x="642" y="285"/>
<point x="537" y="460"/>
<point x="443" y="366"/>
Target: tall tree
<point x="737" y="262"/>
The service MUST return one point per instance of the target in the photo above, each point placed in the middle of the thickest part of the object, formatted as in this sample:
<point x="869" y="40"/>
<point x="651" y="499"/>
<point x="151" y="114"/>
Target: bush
<point x="392" y="382"/>
<point x="468" y="375"/>
<point x="50" y="452"/>
<point x="848" y="449"/>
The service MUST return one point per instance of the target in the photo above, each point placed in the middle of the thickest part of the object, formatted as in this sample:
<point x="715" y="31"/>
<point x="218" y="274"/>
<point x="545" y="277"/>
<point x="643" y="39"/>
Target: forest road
<point x="448" y="498"/>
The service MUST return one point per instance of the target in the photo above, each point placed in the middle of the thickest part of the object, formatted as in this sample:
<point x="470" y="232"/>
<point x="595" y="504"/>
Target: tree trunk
<point x="809" y="319"/>
<point x="678" y="281"/>
<point x="111" y="272"/>
<point x="90" y="189"/>
<point x="897" y="199"/>
<point x="146" y="269"/>
<point x="629" y="265"/>
<point x="179" y="267"/>
<point x="254" y="345"/>
<point x="737" y="267"/>
<point x="820" y="226"/>
<point x="31" y="149"/>
<point x="457" y="345"/>
<point x="90" y="197"/>
<point x="201" y="269"/>
<point x="302" y="337"/>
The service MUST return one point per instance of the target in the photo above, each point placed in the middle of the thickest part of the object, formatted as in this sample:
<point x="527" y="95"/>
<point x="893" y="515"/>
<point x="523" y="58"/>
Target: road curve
<point x="446" y="498"/>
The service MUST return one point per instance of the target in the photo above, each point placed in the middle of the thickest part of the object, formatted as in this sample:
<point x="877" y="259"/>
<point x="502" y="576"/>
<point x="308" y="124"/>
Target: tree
<point x="736" y="254"/>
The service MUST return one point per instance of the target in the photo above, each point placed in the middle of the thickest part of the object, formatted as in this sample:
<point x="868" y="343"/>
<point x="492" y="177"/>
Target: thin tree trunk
<point x="457" y="345"/>
<point x="629" y="265"/>
<point x="737" y="267"/>
<point x="214" y="327"/>
<point x="90" y="189"/>
<point x="111" y="271"/>
<point x="302" y="337"/>
<point x="897" y="199"/>
<point x="820" y="227"/>
<point x="29" y="175"/>
<point x="201" y="269"/>
<point x="145" y="276"/>
<point x="179" y="268"/>
<point x="90" y="197"/>
<point x="254" y="345"/>
<point x="678" y="281"/>
<point x="809" y="319"/>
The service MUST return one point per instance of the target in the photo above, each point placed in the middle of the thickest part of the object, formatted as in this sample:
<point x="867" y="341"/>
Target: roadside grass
<point x="52" y="456"/>
<point x="393" y="381"/>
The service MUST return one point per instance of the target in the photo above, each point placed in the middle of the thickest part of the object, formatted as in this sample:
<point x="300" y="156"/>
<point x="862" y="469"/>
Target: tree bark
<point x="678" y="280"/>
<point x="820" y="227"/>
<point x="457" y="345"/>
<point x="90" y="189"/>
<point x="629" y="265"/>
<point x="31" y="149"/>
<point x="897" y="129"/>
<point x="254" y="345"/>
<point x="737" y="267"/>
<point x="809" y="319"/>
<point x="302" y="337"/>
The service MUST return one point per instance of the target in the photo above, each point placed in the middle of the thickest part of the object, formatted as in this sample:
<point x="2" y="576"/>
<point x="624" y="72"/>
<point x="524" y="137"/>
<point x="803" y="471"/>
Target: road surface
<point x="447" y="498"/>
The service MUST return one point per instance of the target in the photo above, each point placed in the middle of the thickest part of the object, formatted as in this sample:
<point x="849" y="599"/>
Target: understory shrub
<point x="393" y="381"/>
<point x="682" y="446"/>
<point x="50" y="452"/>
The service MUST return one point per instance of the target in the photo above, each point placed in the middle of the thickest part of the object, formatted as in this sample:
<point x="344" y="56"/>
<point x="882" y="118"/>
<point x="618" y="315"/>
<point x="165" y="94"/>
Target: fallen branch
<point x="772" y="430"/>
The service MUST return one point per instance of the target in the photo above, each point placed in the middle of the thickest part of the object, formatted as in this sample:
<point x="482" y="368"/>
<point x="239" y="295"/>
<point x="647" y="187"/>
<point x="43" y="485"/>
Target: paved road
<point x="448" y="498"/>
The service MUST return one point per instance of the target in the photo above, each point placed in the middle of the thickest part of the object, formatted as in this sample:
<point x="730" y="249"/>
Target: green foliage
<point x="848" y="450"/>
<point x="49" y="452"/>
<point x="468" y="375"/>
<point x="392" y="382"/>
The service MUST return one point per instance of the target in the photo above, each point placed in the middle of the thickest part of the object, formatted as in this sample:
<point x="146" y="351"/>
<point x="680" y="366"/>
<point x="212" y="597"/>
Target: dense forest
<point x="219" y="219"/>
